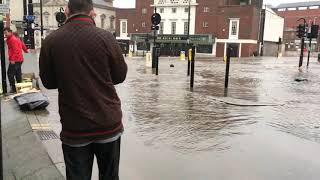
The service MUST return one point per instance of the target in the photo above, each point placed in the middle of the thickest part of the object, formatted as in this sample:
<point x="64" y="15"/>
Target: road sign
<point x="17" y="22"/>
<point x="4" y="8"/>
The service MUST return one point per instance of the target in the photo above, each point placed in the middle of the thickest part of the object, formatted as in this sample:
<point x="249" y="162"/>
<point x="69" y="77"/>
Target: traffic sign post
<point x="4" y="85"/>
<point x="3" y="62"/>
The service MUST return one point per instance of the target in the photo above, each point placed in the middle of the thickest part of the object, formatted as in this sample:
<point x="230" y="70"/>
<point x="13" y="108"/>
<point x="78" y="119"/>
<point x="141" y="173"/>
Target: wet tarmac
<point x="267" y="128"/>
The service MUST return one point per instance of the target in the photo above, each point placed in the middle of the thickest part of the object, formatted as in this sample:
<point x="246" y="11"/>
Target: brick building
<point x="214" y="25"/>
<point x="292" y="12"/>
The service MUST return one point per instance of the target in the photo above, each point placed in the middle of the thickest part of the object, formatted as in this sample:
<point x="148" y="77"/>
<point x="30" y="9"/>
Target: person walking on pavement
<point x="85" y="63"/>
<point x="15" y="48"/>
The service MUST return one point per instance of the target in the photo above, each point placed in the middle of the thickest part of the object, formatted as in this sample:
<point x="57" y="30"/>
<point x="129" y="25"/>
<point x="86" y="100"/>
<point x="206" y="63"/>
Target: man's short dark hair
<point x="7" y="29"/>
<point x="80" y="6"/>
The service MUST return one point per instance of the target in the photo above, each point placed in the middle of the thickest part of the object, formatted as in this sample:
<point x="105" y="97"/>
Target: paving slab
<point x="24" y="155"/>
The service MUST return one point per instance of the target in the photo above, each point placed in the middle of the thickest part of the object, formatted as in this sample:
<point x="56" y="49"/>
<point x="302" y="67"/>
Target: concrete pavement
<point x="24" y="156"/>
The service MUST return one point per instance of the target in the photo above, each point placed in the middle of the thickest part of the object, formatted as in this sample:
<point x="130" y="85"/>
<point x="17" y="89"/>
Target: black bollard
<point x="154" y="57"/>
<point x="3" y="60"/>
<point x="157" y="53"/>
<point x="192" y="66"/>
<point x="189" y="62"/>
<point x="226" y="84"/>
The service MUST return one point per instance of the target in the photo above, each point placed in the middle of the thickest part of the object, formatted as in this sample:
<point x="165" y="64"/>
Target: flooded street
<point x="173" y="133"/>
<point x="267" y="128"/>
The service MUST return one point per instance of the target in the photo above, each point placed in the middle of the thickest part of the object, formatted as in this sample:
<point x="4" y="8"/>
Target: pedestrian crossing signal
<point x="154" y="27"/>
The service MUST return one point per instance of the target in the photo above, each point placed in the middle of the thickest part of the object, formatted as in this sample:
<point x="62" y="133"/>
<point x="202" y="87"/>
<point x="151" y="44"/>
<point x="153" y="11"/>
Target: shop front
<point x="172" y="45"/>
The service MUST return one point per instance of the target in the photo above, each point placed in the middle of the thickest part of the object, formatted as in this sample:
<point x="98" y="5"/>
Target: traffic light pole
<point x="310" y="43"/>
<point x="301" y="53"/>
<point x="309" y="51"/>
<point x="302" y="40"/>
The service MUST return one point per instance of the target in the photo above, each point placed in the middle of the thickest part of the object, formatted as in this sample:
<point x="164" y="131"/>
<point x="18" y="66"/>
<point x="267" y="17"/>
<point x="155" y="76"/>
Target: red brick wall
<point x="220" y="49"/>
<point x="140" y="4"/>
<point x="247" y="50"/>
<point x="291" y="17"/>
<point x="218" y="19"/>
<point x="249" y="21"/>
<point x="210" y="17"/>
<point x="128" y="14"/>
<point x="136" y="17"/>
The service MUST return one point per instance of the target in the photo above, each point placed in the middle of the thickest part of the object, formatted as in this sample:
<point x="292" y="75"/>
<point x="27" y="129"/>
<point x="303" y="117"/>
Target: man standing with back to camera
<point x="84" y="63"/>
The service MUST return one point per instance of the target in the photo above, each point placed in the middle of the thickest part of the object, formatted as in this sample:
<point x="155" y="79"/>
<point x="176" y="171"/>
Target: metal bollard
<point x="226" y="83"/>
<point x="193" y="53"/>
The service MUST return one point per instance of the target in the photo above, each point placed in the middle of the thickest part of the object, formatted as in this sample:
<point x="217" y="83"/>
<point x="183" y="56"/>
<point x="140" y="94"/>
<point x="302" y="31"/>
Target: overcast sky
<point x="130" y="3"/>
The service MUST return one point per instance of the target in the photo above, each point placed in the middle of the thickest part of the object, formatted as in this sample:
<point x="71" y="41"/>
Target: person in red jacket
<point x="15" y="48"/>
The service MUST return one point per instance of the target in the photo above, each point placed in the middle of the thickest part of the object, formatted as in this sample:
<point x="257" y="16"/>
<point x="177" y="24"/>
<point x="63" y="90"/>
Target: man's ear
<point x="92" y="14"/>
<point x="67" y="11"/>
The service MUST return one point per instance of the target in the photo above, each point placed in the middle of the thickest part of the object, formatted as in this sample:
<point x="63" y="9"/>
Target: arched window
<point x="46" y="18"/>
<point x="103" y="21"/>
<point x="112" y="18"/>
<point x="37" y="17"/>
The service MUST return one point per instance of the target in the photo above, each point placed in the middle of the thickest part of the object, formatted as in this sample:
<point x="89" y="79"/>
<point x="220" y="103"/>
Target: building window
<point x="186" y="26"/>
<point x="314" y="7"/>
<point x="103" y="21"/>
<point x="173" y="27"/>
<point x="206" y="9"/>
<point x="205" y="24"/>
<point x="292" y="9"/>
<point x="186" y="10"/>
<point x="234" y="29"/>
<point x="282" y="9"/>
<point x="144" y="24"/>
<point x="174" y="10"/>
<point x="161" y="10"/>
<point x="161" y="27"/>
<point x="46" y="20"/>
<point x="124" y="27"/>
<point x="302" y="8"/>
<point x="112" y="22"/>
<point x="144" y="11"/>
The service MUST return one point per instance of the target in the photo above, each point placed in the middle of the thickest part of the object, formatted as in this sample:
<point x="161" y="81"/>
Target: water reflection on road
<point x="165" y="119"/>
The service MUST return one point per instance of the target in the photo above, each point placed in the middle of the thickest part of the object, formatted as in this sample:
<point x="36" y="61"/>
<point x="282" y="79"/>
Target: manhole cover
<point x="47" y="135"/>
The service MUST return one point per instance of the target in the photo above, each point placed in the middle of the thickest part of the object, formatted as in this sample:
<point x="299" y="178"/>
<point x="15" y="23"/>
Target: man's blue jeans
<point x="79" y="160"/>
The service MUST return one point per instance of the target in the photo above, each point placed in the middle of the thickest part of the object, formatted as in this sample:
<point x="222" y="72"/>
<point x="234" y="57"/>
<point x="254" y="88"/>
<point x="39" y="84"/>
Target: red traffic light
<point x="155" y="19"/>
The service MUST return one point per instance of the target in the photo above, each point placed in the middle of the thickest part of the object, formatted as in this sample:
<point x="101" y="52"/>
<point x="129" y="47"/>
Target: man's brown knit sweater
<point x="84" y="63"/>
